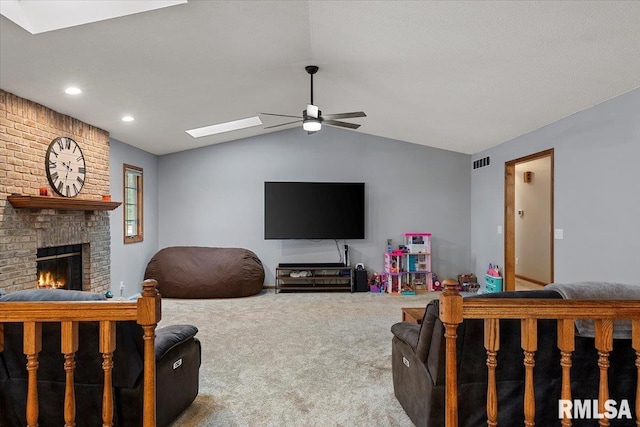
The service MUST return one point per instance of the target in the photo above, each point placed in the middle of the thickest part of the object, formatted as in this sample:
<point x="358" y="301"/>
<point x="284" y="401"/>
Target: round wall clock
<point x="65" y="166"/>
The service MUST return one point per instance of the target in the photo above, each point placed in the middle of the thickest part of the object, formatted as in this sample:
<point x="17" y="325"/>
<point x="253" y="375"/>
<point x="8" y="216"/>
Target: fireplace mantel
<point x="60" y="203"/>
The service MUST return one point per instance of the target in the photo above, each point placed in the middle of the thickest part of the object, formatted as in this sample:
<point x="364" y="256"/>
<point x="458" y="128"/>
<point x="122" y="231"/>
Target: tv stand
<point x="331" y="276"/>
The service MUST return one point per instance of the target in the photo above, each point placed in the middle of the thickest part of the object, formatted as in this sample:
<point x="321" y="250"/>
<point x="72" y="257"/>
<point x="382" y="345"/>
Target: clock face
<point x="65" y="167"/>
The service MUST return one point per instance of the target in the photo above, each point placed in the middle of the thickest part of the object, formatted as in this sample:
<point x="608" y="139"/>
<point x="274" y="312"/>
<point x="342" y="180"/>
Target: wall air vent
<point x="480" y="163"/>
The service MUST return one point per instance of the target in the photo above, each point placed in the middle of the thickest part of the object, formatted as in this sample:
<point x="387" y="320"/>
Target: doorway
<point x="528" y="219"/>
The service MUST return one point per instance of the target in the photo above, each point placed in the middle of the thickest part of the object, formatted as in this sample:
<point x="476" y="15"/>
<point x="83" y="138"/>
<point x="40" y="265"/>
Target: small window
<point x="132" y="204"/>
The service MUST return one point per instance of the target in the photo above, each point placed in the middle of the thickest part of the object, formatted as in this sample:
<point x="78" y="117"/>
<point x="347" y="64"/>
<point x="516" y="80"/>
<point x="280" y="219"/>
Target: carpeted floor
<point x="294" y="359"/>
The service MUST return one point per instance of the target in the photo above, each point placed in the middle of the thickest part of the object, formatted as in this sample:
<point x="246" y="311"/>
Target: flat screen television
<point x="314" y="210"/>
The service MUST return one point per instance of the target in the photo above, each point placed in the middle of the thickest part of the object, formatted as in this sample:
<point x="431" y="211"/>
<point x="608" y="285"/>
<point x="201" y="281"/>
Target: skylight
<point x="225" y="127"/>
<point x="37" y="16"/>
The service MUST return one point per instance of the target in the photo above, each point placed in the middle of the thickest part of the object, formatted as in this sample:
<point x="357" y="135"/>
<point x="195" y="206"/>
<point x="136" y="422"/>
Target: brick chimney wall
<point x="26" y="130"/>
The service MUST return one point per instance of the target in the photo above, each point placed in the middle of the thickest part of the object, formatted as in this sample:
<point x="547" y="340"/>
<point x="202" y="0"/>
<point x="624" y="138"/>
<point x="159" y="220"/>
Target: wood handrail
<point x="454" y="309"/>
<point x="70" y="311"/>
<point x="532" y="308"/>
<point x="146" y="311"/>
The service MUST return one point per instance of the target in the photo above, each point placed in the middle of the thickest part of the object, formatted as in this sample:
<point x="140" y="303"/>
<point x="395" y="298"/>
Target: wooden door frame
<point x="510" y="215"/>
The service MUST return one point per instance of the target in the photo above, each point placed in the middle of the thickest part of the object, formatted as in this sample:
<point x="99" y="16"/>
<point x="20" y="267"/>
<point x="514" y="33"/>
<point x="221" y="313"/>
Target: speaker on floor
<point x="361" y="281"/>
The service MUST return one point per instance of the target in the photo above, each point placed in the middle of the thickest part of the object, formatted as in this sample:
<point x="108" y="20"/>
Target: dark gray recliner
<point x="418" y="363"/>
<point x="177" y="353"/>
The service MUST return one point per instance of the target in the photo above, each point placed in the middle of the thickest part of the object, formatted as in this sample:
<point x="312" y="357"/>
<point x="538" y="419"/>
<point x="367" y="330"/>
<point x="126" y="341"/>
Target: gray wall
<point x="596" y="195"/>
<point x="214" y="196"/>
<point x="129" y="261"/>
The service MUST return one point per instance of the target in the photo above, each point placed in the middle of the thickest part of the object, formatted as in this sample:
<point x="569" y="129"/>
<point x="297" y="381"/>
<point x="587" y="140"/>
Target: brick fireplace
<point x="26" y="130"/>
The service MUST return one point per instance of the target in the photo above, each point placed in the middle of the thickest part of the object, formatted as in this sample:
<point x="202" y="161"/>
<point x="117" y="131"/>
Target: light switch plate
<point x="499" y="229"/>
<point x="558" y="234"/>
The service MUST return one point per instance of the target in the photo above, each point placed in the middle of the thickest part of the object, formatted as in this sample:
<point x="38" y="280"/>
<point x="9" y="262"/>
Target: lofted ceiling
<point x="462" y="76"/>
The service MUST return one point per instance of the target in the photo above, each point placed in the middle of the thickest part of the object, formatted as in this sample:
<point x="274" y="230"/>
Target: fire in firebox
<point x="46" y="280"/>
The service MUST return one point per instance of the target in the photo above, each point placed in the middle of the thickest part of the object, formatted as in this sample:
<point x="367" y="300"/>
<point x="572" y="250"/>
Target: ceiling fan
<point x="313" y="119"/>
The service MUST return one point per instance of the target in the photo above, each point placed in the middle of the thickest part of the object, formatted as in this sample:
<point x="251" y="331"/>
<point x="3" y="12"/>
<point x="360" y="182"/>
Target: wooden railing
<point x="145" y="311"/>
<point x="453" y="309"/>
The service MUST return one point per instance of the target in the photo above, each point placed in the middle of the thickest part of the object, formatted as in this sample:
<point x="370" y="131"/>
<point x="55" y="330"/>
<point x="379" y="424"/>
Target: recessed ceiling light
<point x="127" y="118"/>
<point x="225" y="127"/>
<point x="73" y="90"/>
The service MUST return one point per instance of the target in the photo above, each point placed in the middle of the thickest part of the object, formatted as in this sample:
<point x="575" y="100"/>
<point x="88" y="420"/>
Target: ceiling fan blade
<point x="344" y="115"/>
<point x="280" y="115"/>
<point x="340" y="124"/>
<point x="281" y="124"/>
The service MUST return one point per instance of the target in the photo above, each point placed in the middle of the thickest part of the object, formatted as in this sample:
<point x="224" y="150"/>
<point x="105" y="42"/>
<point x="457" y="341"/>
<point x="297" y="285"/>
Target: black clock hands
<point x="66" y="165"/>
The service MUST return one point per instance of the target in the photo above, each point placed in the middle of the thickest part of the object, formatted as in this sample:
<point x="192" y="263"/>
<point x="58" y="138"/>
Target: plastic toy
<point x="493" y="271"/>
<point x="374" y="283"/>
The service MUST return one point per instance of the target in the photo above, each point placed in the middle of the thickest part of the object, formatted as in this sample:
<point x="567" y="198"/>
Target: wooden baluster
<point x="529" y="342"/>
<point x="492" y="344"/>
<point x="149" y="314"/>
<point x="32" y="345"/>
<point x="69" y="347"/>
<point x="451" y="317"/>
<point x="635" y="341"/>
<point x="566" y="344"/>
<point x="107" y="347"/>
<point x="604" y="344"/>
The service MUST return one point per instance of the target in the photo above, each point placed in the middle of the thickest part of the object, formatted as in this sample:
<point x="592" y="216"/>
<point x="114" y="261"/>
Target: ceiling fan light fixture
<point x="311" y="125"/>
<point x="312" y="117"/>
<point x="313" y="111"/>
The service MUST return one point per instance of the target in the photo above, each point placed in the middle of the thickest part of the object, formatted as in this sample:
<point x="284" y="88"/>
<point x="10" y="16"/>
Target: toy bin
<point x="493" y="284"/>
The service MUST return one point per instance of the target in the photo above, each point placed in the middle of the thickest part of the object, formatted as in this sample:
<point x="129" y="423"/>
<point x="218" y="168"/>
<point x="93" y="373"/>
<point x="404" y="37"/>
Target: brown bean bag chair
<point x="203" y="272"/>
